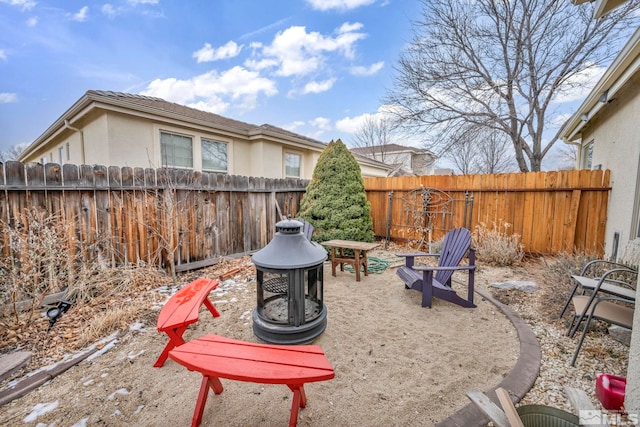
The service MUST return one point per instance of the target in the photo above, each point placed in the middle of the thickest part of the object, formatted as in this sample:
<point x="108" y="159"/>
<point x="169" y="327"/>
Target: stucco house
<point x="604" y="130"/>
<point x="405" y="160"/>
<point x="122" y="129"/>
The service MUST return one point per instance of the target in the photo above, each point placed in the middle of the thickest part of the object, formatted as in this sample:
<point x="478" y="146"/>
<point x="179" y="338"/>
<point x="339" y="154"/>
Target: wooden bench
<point x="181" y="310"/>
<point x="218" y="357"/>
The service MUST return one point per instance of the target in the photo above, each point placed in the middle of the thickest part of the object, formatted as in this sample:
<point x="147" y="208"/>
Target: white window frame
<point x="164" y="161"/>
<point x="586" y="155"/>
<point x="288" y="154"/>
<point x="203" y="142"/>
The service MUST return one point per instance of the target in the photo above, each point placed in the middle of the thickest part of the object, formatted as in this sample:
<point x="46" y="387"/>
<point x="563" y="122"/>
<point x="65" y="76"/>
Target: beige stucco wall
<point x="617" y="148"/>
<point x="119" y="139"/>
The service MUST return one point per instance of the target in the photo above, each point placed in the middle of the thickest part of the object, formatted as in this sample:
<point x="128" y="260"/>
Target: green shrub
<point x="335" y="202"/>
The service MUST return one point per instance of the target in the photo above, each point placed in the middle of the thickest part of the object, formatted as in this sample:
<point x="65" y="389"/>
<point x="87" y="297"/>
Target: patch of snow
<point x="132" y="355"/>
<point x="245" y="315"/>
<point x="81" y="423"/>
<point x="221" y="301"/>
<point x="138" y="409"/>
<point x="104" y="375"/>
<point x="107" y="347"/>
<point x="87" y="383"/>
<point x="40" y="409"/>
<point x="234" y="299"/>
<point x="119" y="391"/>
<point x="136" y="326"/>
<point x="116" y="413"/>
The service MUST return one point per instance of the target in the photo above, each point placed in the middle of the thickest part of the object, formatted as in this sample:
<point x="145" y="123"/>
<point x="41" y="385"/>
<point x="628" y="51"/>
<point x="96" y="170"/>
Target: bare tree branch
<point x="501" y="64"/>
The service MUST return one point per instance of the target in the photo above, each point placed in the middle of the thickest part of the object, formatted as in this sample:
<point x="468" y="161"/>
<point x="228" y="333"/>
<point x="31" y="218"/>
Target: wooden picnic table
<point x="358" y="259"/>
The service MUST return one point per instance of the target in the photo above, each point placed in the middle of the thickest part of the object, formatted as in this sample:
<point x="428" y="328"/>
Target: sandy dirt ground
<point x="396" y="364"/>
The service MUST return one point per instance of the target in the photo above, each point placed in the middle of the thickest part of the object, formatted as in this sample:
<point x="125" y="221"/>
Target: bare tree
<point x="373" y="136"/>
<point x="11" y="153"/>
<point x="501" y="64"/>
<point x="494" y="154"/>
<point x="461" y="153"/>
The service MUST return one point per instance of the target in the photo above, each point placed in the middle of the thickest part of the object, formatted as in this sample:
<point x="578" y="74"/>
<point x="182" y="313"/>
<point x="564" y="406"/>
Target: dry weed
<point x="115" y="318"/>
<point x="495" y="246"/>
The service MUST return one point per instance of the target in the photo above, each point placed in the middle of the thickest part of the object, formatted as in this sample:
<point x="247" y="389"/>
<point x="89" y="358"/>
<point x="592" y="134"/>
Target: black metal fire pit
<point x="289" y="289"/>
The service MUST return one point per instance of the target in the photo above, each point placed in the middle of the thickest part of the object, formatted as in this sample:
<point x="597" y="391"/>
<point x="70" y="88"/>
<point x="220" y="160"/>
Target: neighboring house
<point x="121" y="129"/>
<point x="406" y="160"/>
<point x="604" y="130"/>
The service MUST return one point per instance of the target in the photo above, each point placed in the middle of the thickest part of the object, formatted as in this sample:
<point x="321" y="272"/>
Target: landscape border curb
<point x="519" y="380"/>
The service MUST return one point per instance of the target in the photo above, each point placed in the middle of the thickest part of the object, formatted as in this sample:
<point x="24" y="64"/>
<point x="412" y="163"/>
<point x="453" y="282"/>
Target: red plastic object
<point x="610" y="391"/>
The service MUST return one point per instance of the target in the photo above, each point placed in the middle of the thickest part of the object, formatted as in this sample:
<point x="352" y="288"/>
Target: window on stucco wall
<point x="176" y="150"/>
<point x="587" y="155"/>
<point x="292" y="163"/>
<point x="214" y="156"/>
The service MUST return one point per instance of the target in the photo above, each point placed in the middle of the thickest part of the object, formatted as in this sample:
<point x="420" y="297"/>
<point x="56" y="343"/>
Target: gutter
<point x="599" y="96"/>
<point x="68" y="126"/>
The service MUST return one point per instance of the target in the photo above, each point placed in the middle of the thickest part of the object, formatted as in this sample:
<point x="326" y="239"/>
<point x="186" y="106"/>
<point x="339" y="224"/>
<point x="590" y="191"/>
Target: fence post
<point x="389" y="216"/>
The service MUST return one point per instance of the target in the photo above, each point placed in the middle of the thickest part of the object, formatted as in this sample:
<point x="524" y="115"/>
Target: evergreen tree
<point x="335" y="202"/>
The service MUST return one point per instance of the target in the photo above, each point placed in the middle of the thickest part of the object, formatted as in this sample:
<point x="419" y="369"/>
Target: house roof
<point x="602" y="6"/>
<point x="152" y="107"/>
<point x="623" y="67"/>
<point x="391" y="148"/>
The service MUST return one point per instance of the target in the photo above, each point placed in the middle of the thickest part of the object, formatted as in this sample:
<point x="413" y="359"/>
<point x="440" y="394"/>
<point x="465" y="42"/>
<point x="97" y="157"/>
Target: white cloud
<point x="7" y="98"/>
<point x="3" y="55"/>
<point x="207" y="53"/>
<point x="23" y="4"/>
<point x="317" y="87"/>
<point x="212" y="90"/>
<point x="577" y="87"/>
<point x="338" y="4"/>
<point x="349" y="27"/>
<point x="32" y="22"/>
<point x="293" y="126"/>
<point x="366" y="71"/>
<point x="321" y="123"/>
<point x="351" y="124"/>
<point x="137" y="2"/>
<point x="298" y="52"/>
<point x="81" y="15"/>
<point x="109" y="10"/>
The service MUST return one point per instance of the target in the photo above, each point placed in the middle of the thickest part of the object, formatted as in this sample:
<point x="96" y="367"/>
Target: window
<point x="61" y="155"/>
<point x="292" y="164"/>
<point x="587" y="155"/>
<point x="176" y="150"/>
<point x="214" y="155"/>
<point x="68" y="152"/>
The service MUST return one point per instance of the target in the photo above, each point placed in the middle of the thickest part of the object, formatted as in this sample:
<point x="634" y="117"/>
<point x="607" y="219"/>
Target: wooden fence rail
<point x="553" y="212"/>
<point x="166" y="216"/>
<point x="132" y="215"/>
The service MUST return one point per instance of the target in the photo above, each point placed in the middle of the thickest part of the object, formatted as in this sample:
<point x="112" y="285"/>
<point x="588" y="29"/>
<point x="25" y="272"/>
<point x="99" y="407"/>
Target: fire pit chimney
<point x="290" y="308"/>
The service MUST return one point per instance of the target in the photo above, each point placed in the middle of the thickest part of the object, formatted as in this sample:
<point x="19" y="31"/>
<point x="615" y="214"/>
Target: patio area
<point x="395" y="362"/>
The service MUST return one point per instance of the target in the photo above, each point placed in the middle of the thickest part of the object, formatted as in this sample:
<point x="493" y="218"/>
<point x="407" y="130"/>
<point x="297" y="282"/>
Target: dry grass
<point x="495" y="246"/>
<point x="116" y="318"/>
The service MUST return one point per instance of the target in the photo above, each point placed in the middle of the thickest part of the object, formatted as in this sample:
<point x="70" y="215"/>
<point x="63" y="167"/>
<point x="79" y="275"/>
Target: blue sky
<point x="315" y="67"/>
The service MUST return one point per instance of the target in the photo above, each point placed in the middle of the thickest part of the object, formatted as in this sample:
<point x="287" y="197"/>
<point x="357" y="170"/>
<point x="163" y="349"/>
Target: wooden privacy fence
<point x="157" y="216"/>
<point x="553" y="212"/>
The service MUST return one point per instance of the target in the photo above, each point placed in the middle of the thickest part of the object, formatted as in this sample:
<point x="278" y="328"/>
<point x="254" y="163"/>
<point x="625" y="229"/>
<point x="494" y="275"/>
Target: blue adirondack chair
<point x="455" y="246"/>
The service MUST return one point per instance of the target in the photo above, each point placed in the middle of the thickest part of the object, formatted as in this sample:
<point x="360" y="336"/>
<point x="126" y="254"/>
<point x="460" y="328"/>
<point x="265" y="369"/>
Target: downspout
<point x="68" y="126"/>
